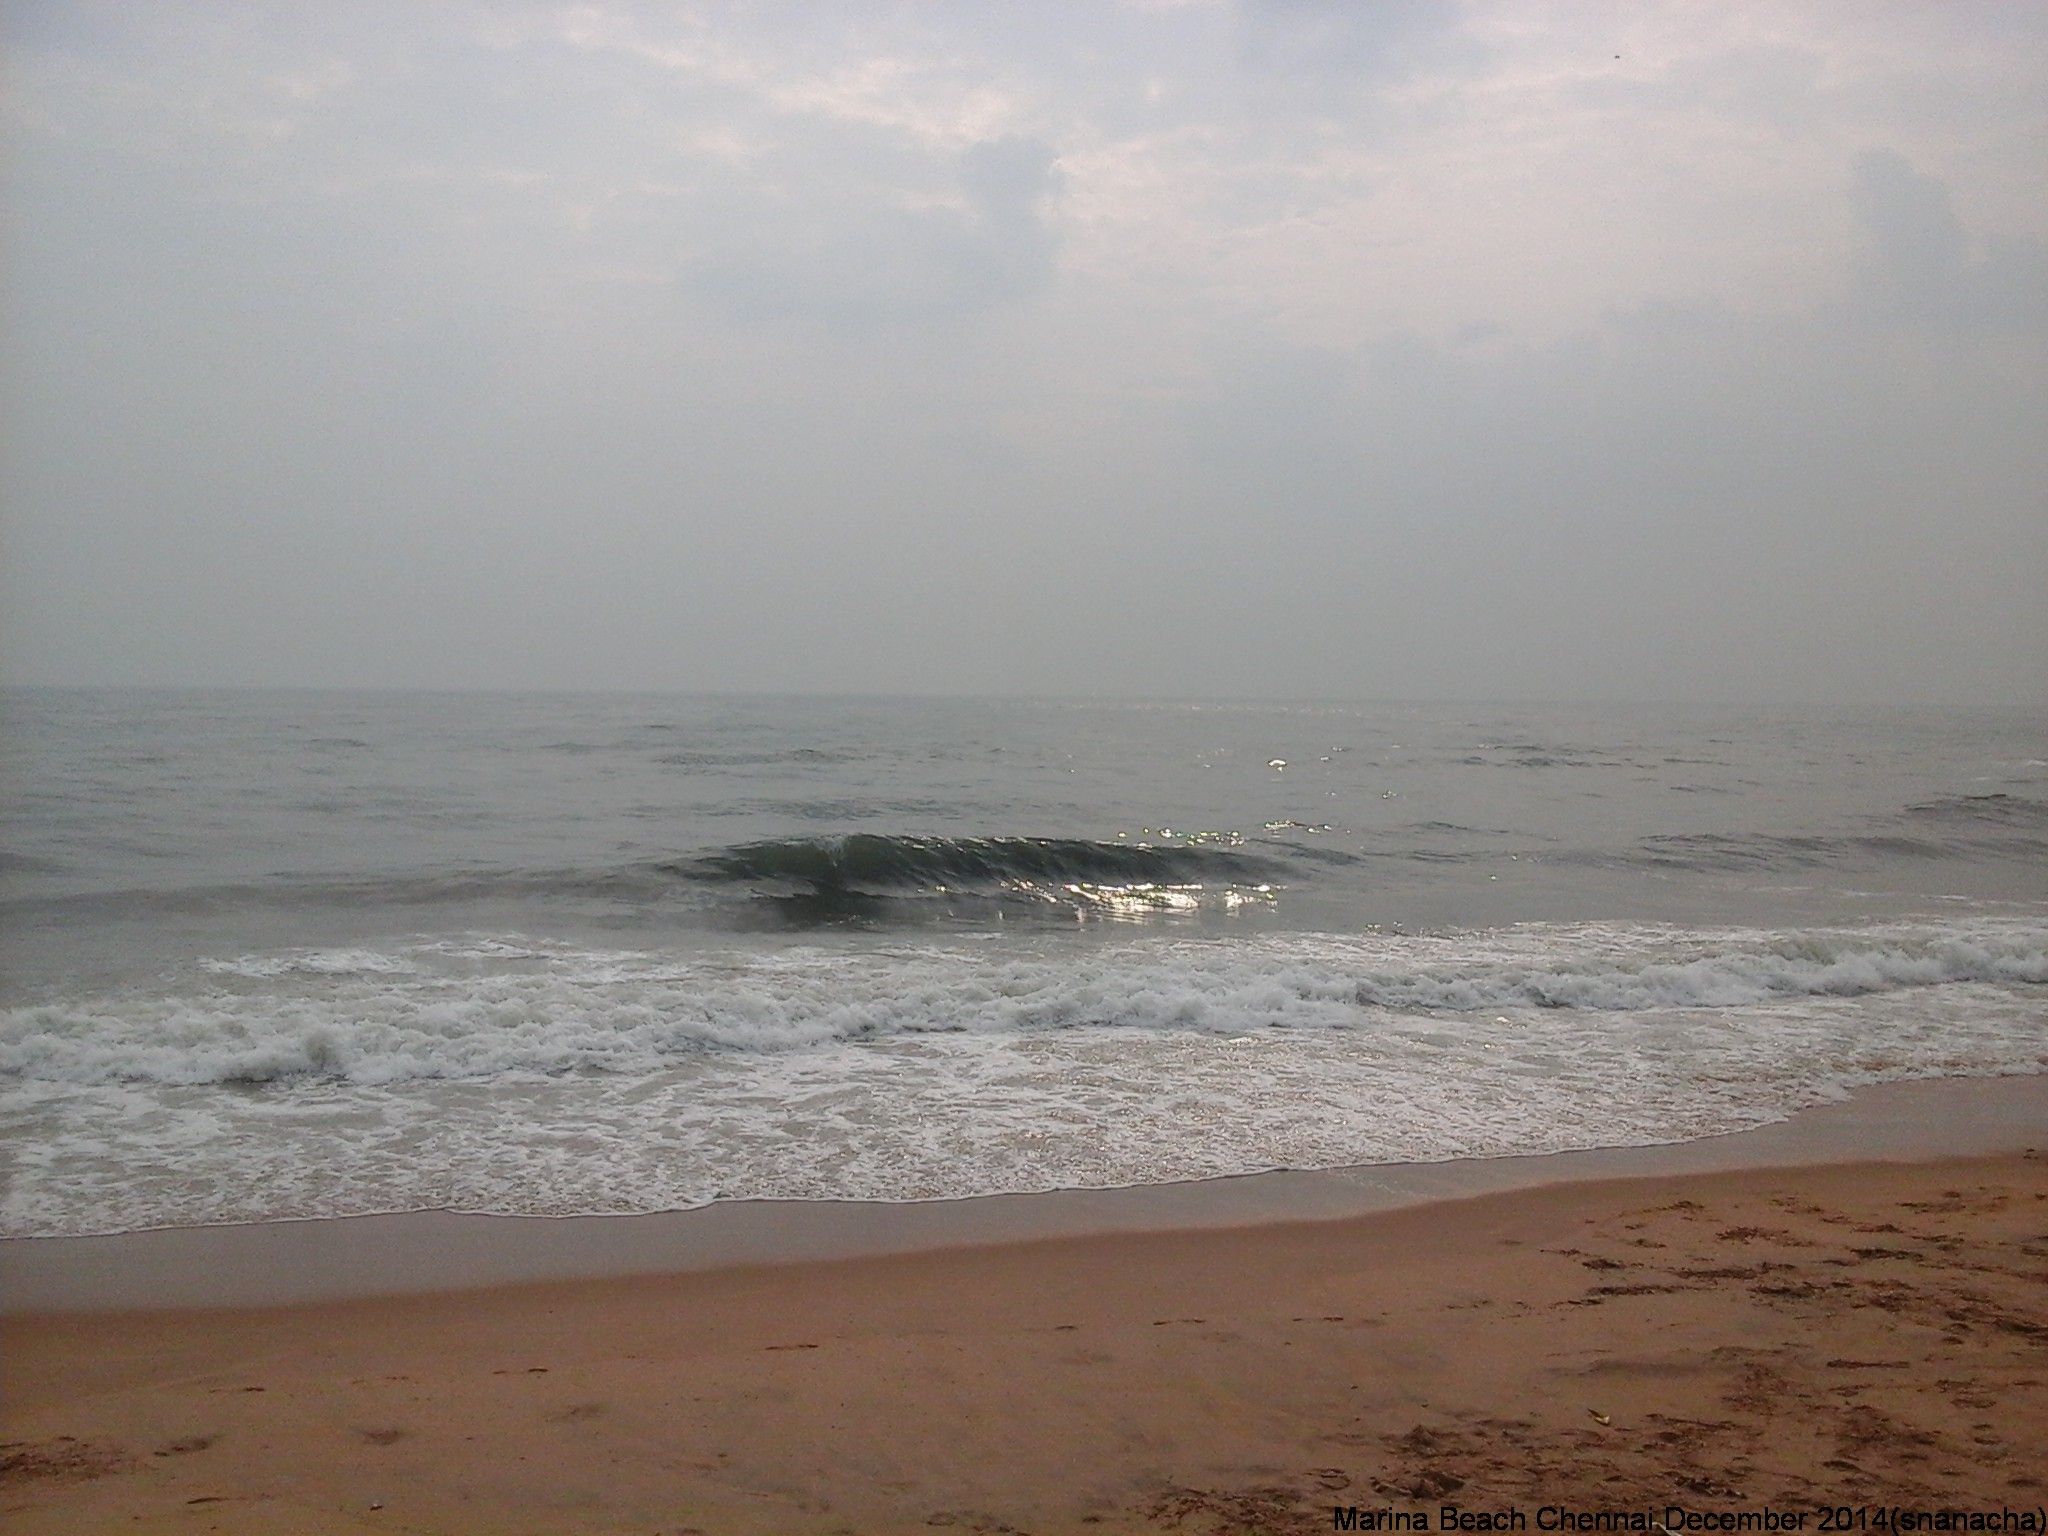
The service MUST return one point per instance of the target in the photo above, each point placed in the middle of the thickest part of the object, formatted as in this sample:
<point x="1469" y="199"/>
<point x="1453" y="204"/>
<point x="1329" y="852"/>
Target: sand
<point x="1869" y="1335"/>
<point x="269" y="1263"/>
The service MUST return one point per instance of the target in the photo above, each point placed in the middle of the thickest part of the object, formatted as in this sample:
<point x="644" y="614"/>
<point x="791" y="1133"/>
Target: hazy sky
<point x="1278" y="347"/>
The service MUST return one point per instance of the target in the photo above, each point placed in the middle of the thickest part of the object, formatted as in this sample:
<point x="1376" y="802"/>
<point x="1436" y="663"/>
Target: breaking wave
<point x="484" y="1007"/>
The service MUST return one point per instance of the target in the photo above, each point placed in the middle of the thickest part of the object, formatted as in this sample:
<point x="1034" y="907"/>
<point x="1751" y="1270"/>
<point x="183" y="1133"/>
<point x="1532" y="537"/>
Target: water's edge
<point x="285" y="1263"/>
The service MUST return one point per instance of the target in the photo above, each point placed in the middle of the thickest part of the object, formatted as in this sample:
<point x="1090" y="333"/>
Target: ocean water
<point x="285" y="955"/>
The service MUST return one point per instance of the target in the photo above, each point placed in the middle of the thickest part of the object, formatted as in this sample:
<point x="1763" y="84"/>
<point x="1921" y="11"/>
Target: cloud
<point x="862" y="258"/>
<point x="1684" y="499"/>
<point x="1008" y="178"/>
<point x="1914" y="265"/>
<point x="1340" y="41"/>
<point x="1197" y="348"/>
<point x="1915" y="252"/>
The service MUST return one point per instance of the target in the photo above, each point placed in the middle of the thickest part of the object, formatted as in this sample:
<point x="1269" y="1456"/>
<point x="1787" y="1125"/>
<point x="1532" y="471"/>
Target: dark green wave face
<point x="879" y="864"/>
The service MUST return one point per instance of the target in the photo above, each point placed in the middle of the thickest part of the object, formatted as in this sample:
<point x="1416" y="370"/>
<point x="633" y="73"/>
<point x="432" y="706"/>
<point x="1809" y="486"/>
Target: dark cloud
<point x="1914" y="249"/>
<point x="1915" y="265"/>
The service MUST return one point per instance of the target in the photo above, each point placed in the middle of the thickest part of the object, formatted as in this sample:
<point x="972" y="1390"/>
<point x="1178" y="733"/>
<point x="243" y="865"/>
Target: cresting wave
<point x="875" y="878"/>
<point x="878" y="864"/>
<point x="463" y="1010"/>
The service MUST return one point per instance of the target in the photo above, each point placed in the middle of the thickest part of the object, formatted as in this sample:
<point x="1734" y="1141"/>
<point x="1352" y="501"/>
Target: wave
<point x="1814" y="966"/>
<point x="872" y="878"/>
<point x="882" y="864"/>
<point x="1993" y="810"/>
<point x="730" y="759"/>
<point x="1997" y="827"/>
<point x="489" y="1006"/>
<point x="1737" y="852"/>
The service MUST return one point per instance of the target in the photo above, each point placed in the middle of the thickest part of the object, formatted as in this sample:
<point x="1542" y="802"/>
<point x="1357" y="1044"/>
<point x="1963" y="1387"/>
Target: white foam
<point x="311" y="962"/>
<point x="518" y="1075"/>
<point x="441" y="1010"/>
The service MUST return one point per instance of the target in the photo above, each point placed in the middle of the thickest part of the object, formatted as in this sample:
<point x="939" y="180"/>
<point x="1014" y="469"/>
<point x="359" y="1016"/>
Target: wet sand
<point x="1865" y="1334"/>
<point x="331" y="1260"/>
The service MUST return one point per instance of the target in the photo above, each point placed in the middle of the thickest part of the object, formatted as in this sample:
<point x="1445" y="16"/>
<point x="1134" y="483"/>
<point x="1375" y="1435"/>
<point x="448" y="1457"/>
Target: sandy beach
<point x="1871" y="1335"/>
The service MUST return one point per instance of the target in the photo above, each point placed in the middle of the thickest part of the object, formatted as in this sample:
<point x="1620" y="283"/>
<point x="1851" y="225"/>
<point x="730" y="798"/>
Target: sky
<point x="1269" y="348"/>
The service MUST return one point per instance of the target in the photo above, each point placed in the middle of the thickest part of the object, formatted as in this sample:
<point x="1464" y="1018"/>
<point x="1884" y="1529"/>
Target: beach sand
<point x="1872" y="1335"/>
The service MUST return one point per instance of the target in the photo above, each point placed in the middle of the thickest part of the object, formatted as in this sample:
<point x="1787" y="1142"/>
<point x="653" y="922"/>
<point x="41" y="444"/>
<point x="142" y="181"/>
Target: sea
<point x="283" y="955"/>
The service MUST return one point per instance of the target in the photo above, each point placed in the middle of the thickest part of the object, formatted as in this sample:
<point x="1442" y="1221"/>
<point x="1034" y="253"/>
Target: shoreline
<point x="1781" y="1340"/>
<point x="415" y="1253"/>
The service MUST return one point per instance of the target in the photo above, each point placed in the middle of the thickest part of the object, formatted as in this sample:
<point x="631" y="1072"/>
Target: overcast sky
<point x="1366" y="348"/>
